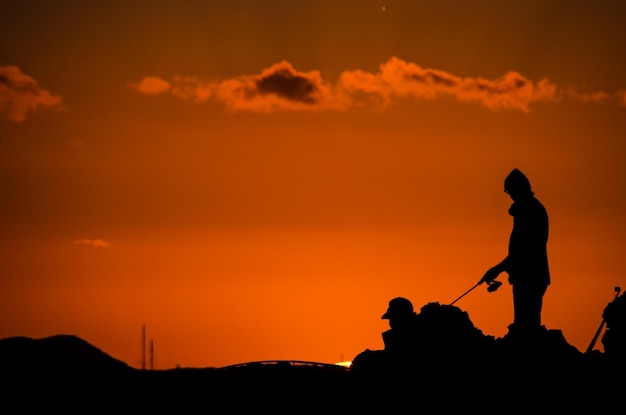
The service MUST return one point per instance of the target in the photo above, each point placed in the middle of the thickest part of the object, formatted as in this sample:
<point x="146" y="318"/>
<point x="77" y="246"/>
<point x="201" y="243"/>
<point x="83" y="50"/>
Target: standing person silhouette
<point x="527" y="259"/>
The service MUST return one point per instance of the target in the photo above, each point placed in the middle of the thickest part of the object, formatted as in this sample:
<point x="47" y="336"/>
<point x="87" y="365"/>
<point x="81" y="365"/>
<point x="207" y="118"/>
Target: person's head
<point x="400" y="310"/>
<point x="517" y="185"/>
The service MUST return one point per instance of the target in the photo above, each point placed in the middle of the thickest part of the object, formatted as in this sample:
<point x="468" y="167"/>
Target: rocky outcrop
<point x="455" y="364"/>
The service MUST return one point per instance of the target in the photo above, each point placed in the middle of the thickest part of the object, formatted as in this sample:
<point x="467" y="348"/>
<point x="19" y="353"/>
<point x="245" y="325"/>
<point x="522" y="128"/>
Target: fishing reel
<point x="493" y="285"/>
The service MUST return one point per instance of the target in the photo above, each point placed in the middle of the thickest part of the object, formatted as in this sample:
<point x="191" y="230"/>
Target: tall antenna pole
<point x="143" y="346"/>
<point x="151" y="355"/>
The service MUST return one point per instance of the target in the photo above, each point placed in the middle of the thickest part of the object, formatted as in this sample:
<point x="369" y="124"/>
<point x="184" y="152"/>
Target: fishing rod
<point x="595" y="337"/>
<point x="493" y="285"/>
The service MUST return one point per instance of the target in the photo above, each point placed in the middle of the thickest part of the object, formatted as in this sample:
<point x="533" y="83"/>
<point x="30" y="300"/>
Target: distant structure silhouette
<point x="527" y="261"/>
<point x="151" y="354"/>
<point x="143" y="346"/>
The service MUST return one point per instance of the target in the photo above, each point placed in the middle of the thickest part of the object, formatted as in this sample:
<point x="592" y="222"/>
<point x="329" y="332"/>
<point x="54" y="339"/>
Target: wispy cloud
<point x="152" y="85"/>
<point x="599" y="96"/>
<point x="96" y="243"/>
<point x="621" y="97"/>
<point x="20" y="95"/>
<point x="400" y="79"/>
<point x="281" y="87"/>
<point x="192" y="88"/>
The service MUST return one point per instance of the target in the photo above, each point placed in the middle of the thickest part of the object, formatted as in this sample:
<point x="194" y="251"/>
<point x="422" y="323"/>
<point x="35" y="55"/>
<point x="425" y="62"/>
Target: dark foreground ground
<point x="452" y="372"/>
<point x="64" y="374"/>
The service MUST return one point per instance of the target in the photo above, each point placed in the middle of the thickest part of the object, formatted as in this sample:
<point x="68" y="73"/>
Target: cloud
<point x="152" y="85"/>
<point x="20" y="94"/>
<point x="400" y="79"/>
<point x="279" y="87"/>
<point x="621" y="98"/>
<point x="599" y="96"/>
<point x="96" y="243"/>
<point x="192" y="88"/>
<point x="282" y="88"/>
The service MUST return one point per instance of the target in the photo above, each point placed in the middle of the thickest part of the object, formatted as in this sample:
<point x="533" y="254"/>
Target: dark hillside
<point x="55" y="352"/>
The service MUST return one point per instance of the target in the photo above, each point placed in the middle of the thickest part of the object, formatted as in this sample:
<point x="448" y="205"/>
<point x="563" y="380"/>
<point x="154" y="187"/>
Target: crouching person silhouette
<point x="401" y="338"/>
<point x="401" y="341"/>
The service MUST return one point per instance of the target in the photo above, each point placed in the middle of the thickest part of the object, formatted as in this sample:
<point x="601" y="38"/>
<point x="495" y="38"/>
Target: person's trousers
<point x="527" y="303"/>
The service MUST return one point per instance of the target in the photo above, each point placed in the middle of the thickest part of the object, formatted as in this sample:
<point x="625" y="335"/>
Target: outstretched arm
<point x="493" y="272"/>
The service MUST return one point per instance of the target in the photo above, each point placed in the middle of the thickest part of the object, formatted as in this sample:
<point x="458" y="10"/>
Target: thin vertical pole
<point x="143" y="346"/>
<point x="151" y="355"/>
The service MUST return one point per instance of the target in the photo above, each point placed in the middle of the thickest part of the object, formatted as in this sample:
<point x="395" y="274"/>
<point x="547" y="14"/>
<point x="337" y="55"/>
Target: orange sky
<point x="255" y="180"/>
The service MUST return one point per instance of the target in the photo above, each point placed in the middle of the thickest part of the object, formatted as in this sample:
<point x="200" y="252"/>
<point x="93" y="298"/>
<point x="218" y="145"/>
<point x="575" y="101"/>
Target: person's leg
<point x="527" y="304"/>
